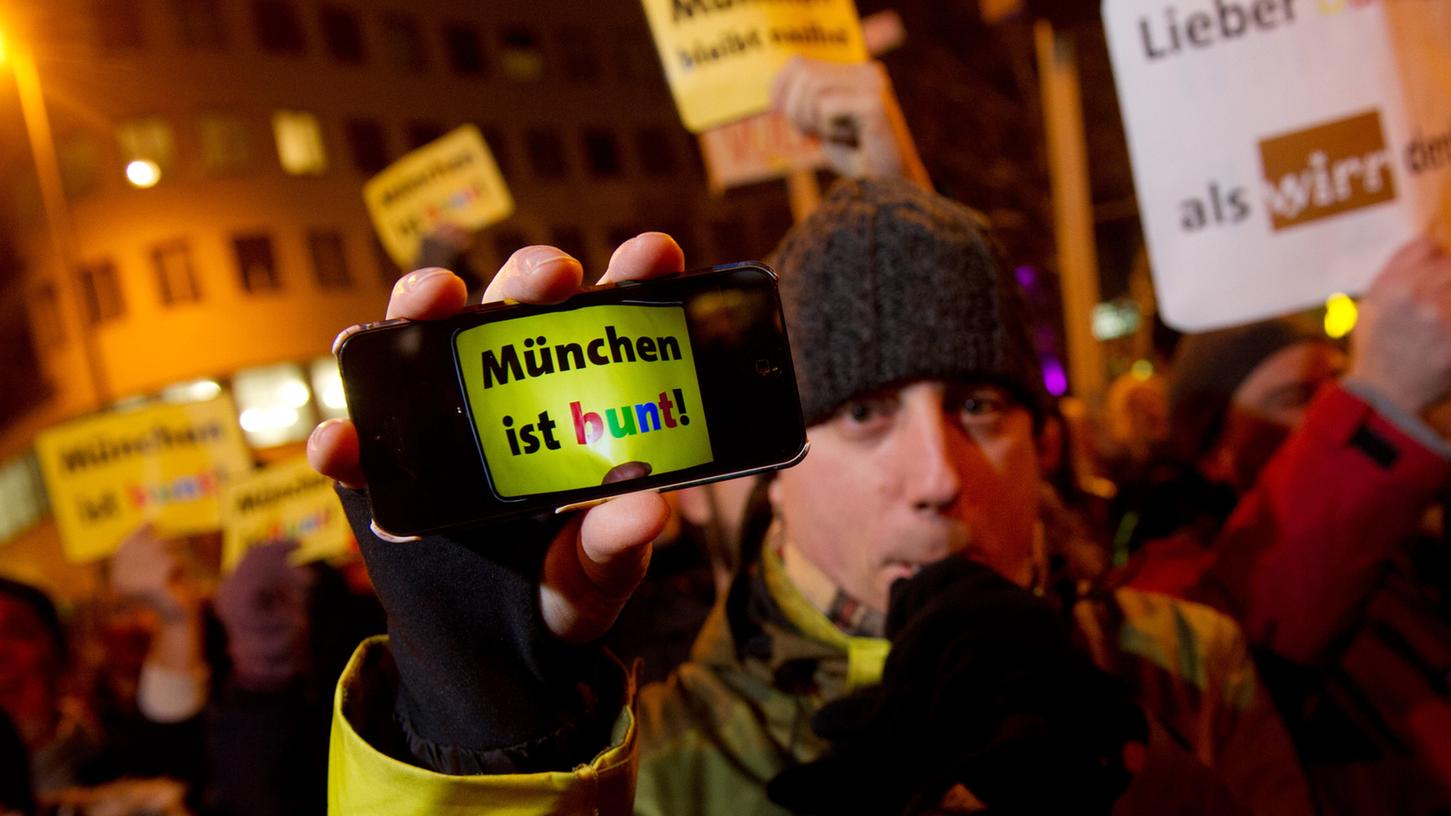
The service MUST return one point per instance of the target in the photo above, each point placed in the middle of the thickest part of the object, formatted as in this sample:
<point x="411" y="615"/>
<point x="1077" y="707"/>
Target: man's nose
<point x="932" y="460"/>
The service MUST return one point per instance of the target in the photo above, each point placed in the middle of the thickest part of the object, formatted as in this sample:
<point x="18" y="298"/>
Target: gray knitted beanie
<point x="887" y="283"/>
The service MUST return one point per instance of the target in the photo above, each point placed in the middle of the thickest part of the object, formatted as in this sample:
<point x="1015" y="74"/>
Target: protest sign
<point x="721" y="55"/>
<point x="109" y="474"/>
<point x="561" y="400"/>
<point x="453" y="179"/>
<point x="756" y="149"/>
<point x="767" y="146"/>
<point x="1282" y="149"/>
<point x="286" y="501"/>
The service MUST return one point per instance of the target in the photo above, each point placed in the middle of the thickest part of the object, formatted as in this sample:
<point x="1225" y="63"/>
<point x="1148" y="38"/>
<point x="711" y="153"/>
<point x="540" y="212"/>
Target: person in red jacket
<point x="1325" y="557"/>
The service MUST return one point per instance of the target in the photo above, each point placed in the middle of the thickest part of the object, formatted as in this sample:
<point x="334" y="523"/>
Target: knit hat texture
<point x="886" y="283"/>
<point x="1209" y="367"/>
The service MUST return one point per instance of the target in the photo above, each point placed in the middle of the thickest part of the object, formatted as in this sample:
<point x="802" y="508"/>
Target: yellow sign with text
<point x="288" y="501"/>
<point x="453" y="179"/>
<point x="721" y="55"/>
<point x="583" y="397"/>
<point x="109" y="474"/>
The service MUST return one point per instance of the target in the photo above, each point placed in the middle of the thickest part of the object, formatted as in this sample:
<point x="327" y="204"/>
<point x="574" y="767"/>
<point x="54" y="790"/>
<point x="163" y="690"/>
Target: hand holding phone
<point x="596" y="560"/>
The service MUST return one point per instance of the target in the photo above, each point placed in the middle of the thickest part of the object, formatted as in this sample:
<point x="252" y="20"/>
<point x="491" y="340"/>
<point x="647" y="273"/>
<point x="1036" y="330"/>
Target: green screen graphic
<point x="564" y="400"/>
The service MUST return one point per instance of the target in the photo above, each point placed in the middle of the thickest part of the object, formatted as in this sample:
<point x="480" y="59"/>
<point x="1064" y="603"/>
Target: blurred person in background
<point x="1309" y="510"/>
<point x="73" y="762"/>
<point x="1135" y="424"/>
<point x="16" y="796"/>
<point x="287" y="629"/>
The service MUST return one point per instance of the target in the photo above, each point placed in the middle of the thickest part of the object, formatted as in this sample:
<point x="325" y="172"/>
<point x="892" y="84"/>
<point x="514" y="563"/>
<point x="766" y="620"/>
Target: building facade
<point x="213" y="154"/>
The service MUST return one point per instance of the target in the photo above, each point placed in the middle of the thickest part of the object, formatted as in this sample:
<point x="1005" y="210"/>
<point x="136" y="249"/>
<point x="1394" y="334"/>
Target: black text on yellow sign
<point x="574" y="399"/>
<point x="721" y="55"/>
<point x="108" y="475"/>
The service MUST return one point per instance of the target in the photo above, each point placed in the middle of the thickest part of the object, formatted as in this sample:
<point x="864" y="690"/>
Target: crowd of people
<point x="927" y="615"/>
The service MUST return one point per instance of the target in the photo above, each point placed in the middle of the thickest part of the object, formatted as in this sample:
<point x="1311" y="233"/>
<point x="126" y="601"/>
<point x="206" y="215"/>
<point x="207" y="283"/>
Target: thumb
<point x="595" y="563"/>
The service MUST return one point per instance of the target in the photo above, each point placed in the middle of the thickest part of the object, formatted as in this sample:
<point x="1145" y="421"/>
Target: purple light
<point x="1055" y="379"/>
<point x="1027" y="276"/>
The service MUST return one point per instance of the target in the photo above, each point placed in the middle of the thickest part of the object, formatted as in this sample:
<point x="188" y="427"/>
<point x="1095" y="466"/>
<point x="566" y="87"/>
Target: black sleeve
<point x="483" y="686"/>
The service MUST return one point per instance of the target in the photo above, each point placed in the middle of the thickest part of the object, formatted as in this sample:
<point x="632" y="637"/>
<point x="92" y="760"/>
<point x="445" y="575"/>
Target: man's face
<point x="1280" y="388"/>
<point x="903" y="477"/>
<point x="29" y="669"/>
<point x="1269" y="405"/>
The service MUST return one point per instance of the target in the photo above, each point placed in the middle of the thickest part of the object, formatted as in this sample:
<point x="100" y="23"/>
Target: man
<point x="923" y="399"/>
<point x="1323" y="558"/>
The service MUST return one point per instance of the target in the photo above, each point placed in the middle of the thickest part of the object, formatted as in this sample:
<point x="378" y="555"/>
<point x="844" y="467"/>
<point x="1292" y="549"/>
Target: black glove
<point x="983" y="687"/>
<point x="484" y="687"/>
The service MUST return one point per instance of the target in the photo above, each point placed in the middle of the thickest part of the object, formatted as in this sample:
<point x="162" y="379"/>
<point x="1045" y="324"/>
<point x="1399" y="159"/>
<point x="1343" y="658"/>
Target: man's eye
<point x="866" y="413"/>
<point x="981" y="405"/>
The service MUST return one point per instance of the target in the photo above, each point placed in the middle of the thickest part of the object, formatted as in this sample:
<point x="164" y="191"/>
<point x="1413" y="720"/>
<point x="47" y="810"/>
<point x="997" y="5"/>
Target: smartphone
<point x="507" y="410"/>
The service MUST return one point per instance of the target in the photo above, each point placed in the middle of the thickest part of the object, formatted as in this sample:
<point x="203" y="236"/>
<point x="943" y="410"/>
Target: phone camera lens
<point x="767" y="368"/>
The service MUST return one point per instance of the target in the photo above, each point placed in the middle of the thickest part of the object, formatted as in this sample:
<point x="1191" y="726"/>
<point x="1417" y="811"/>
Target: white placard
<point x="1282" y="149"/>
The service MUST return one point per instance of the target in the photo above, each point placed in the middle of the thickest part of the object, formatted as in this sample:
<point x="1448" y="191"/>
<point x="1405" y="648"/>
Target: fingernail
<point x="538" y="259"/>
<point x="322" y="430"/>
<point x="412" y="281"/>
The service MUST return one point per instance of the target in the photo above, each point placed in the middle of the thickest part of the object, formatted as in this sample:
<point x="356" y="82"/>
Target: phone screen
<point x="585" y="397"/>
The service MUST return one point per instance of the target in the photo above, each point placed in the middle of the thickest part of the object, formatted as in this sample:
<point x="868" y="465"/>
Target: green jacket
<point x="707" y="740"/>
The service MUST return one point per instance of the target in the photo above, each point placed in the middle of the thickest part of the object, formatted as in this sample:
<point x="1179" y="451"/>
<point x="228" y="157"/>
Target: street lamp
<point x="52" y="192"/>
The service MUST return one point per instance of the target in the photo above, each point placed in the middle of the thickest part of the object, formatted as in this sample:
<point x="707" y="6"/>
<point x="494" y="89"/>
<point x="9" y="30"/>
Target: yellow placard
<point x="721" y="55"/>
<point x="577" y="398"/>
<point x="287" y="501"/>
<point x="453" y="179"/>
<point x="109" y="474"/>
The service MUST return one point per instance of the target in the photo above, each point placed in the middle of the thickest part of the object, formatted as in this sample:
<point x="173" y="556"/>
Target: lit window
<point x="175" y="274"/>
<point x="465" y="56"/>
<point x="522" y="59"/>
<point x="200" y="23"/>
<point x="278" y="29"/>
<point x="100" y="291"/>
<point x="327" y="384"/>
<point x="403" y="43"/>
<point x="329" y="259"/>
<point x="274" y="404"/>
<point x="194" y="391"/>
<point x="224" y="144"/>
<point x="299" y="142"/>
<point x="256" y="262"/>
<point x="342" y="34"/>
<point x="22" y="496"/>
<point x="148" y="139"/>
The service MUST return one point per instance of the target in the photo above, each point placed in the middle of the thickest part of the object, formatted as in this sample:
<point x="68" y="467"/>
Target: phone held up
<point x="507" y="410"/>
